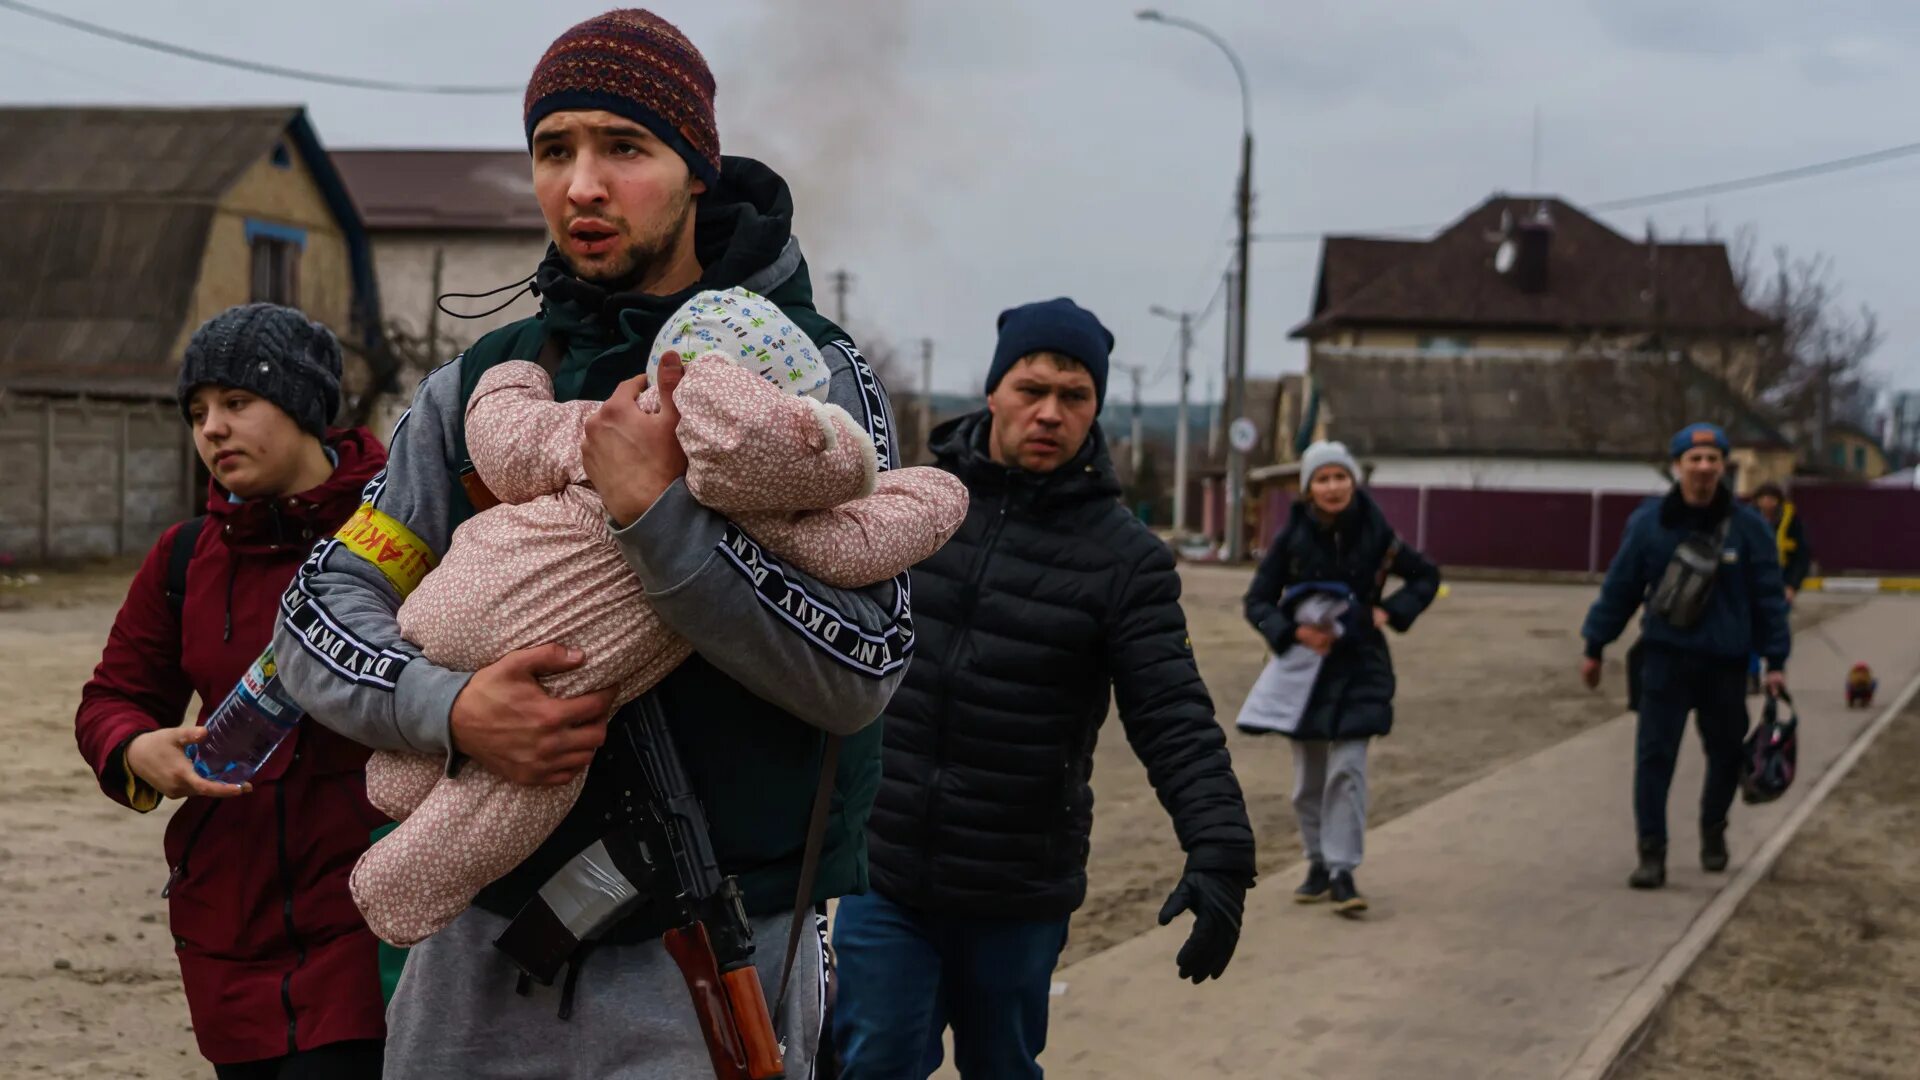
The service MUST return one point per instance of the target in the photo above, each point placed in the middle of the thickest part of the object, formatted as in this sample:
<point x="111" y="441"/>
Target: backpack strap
<point x="809" y="867"/>
<point x="178" y="558"/>
<point x="1386" y="567"/>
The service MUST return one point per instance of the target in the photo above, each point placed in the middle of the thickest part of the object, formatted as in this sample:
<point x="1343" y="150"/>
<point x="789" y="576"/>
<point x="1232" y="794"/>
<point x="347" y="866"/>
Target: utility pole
<point x="1137" y="449"/>
<point x="1225" y="414"/>
<point x="1180" y="435"/>
<point x="926" y="395"/>
<point x="1243" y="269"/>
<point x="1213" y="423"/>
<point x="842" y="281"/>
<point x="1237" y="393"/>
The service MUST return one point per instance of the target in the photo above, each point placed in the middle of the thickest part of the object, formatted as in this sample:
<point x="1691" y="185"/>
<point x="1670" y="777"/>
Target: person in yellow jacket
<point x="1796" y="557"/>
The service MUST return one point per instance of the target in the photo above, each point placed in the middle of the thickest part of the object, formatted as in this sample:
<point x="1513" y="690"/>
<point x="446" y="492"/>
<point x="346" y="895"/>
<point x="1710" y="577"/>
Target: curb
<point x="1628" y="1026"/>
<point x="1862" y="585"/>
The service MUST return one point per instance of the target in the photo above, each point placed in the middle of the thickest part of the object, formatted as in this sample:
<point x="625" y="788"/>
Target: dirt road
<point x="88" y="985"/>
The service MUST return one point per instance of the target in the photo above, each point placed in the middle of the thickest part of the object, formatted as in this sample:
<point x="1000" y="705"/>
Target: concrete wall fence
<point x="1852" y="528"/>
<point x="83" y="478"/>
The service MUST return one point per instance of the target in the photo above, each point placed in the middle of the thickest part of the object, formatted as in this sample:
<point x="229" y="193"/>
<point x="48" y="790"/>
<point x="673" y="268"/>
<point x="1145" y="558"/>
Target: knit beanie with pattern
<point x="749" y="330"/>
<point x="634" y="64"/>
<point x="272" y="351"/>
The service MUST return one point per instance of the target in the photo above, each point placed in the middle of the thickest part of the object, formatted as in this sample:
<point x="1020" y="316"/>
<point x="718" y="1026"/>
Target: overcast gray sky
<point x="962" y="157"/>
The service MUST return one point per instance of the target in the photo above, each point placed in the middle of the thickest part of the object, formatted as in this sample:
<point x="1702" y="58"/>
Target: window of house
<point x="276" y="271"/>
<point x="1859" y="459"/>
<point x="274" y="275"/>
<point x="1444" y="344"/>
<point x="1838" y="456"/>
<point x="282" y="157"/>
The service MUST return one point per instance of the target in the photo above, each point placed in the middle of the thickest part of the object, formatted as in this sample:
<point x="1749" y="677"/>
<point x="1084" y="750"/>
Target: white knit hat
<point x="1325" y="453"/>
<point x="748" y="329"/>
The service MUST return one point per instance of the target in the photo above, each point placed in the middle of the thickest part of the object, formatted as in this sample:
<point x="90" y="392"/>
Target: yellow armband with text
<point x="390" y="546"/>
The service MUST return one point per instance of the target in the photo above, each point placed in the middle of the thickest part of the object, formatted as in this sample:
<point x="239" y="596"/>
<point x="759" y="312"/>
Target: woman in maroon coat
<point x="280" y="971"/>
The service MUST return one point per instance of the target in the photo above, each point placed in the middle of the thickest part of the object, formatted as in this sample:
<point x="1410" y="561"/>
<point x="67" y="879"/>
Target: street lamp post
<point x="1237" y="385"/>
<point x="1185" y="318"/>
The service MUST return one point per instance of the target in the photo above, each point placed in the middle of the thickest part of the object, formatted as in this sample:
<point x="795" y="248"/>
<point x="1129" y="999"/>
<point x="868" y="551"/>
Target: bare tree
<point x="903" y="392"/>
<point x="1813" y="372"/>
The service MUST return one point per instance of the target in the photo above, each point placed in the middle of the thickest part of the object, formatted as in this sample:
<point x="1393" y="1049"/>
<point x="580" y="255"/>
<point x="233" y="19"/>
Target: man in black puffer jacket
<point x="1049" y="600"/>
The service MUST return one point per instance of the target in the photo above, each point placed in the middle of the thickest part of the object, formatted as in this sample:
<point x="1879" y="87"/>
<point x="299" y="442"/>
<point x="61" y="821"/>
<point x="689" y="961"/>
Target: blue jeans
<point x="906" y="975"/>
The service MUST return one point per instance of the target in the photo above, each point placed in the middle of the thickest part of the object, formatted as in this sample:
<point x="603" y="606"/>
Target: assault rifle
<point x="713" y="943"/>
<point x="711" y="940"/>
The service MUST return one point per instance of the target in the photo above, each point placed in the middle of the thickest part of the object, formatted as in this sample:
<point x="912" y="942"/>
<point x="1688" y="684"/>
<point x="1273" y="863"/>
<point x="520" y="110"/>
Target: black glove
<point x="1216" y="900"/>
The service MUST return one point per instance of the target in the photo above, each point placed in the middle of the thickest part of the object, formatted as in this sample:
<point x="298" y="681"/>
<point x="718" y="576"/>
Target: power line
<point x="254" y="66"/>
<point x="1635" y="202"/>
<point x="1780" y="176"/>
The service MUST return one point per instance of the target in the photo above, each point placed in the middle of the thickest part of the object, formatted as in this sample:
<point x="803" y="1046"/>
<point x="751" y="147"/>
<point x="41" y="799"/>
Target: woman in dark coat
<point x="1316" y="599"/>
<point x="279" y="969"/>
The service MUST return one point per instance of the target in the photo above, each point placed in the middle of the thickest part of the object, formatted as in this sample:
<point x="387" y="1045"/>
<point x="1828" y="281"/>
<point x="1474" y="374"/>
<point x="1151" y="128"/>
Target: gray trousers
<point x="1330" y="799"/>
<point x="455" y="1015"/>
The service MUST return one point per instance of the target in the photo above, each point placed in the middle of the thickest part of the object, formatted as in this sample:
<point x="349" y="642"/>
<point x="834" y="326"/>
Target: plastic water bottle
<point x="245" y="729"/>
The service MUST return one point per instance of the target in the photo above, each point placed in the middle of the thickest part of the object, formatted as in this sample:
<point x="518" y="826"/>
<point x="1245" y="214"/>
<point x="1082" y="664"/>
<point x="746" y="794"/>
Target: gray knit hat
<point x="1325" y="453"/>
<point x="269" y="350"/>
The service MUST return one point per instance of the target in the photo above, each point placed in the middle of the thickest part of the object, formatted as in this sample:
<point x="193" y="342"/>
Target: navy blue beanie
<point x="1698" y="435"/>
<point x="1058" y="326"/>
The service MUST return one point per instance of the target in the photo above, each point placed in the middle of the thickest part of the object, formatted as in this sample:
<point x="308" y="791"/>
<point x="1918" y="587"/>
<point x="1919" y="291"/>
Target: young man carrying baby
<point x="643" y="213"/>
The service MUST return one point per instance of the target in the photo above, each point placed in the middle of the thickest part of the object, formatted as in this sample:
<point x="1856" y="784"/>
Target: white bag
<point x="1279" y="696"/>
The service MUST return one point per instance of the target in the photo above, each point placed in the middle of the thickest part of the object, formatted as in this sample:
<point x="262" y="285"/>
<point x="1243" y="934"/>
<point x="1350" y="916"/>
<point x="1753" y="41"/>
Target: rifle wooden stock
<point x="690" y="949"/>
<point x="753" y="1023"/>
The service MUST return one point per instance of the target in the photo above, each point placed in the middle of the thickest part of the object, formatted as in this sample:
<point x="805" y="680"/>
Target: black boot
<point x="1313" y="890"/>
<point x="1652" y="872"/>
<point x="1713" y="848"/>
<point x="1346" y="896"/>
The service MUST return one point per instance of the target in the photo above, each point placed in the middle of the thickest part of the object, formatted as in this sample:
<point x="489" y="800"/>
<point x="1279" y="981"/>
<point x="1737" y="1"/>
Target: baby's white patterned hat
<point x="748" y="329"/>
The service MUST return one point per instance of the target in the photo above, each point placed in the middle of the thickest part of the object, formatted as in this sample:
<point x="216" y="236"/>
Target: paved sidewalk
<point x="1502" y="936"/>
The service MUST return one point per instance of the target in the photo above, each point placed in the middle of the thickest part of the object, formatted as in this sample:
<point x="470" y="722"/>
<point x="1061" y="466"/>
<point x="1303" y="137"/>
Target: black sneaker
<point x="1346" y="898"/>
<point x="1315" y="888"/>
<point x="1652" y="871"/>
<point x="1713" y="848"/>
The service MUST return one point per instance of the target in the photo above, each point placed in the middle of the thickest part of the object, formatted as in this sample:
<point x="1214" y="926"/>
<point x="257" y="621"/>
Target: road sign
<point x="1243" y="435"/>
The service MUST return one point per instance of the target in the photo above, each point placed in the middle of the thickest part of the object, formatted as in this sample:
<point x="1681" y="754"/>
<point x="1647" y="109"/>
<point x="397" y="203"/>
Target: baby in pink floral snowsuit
<point x="796" y="474"/>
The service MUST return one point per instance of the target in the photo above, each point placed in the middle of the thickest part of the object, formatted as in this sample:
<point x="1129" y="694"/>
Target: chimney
<point x="1526" y="250"/>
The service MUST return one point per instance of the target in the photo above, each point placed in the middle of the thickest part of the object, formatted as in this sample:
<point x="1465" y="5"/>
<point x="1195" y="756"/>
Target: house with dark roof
<point x="124" y="229"/>
<point x="444" y="221"/>
<point x="1529" y="345"/>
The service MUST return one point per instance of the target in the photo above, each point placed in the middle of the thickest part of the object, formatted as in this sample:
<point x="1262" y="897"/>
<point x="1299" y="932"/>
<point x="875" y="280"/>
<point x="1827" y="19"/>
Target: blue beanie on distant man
<point x="1056" y="326"/>
<point x="1694" y="435"/>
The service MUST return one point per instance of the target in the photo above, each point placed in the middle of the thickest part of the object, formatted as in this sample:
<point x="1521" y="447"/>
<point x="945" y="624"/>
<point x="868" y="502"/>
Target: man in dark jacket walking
<point x="1050" y="599"/>
<point x="1692" y="661"/>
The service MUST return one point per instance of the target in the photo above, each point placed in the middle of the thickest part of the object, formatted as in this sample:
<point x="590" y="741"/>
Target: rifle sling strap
<point x="809" y="868"/>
